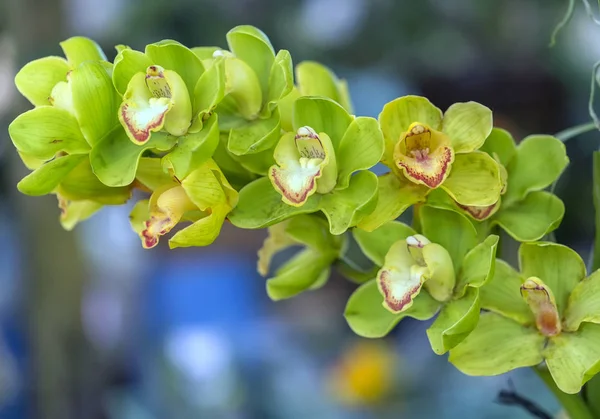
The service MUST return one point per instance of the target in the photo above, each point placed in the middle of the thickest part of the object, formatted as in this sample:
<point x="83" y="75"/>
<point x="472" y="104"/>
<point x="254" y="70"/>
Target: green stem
<point x="573" y="404"/>
<point x="572" y="132"/>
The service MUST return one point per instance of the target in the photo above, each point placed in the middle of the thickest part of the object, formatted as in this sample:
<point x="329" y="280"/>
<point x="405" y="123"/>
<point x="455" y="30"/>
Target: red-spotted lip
<point x="297" y="198"/>
<point x="141" y="134"/>
<point x="394" y="304"/>
<point x="479" y="213"/>
<point x="430" y="171"/>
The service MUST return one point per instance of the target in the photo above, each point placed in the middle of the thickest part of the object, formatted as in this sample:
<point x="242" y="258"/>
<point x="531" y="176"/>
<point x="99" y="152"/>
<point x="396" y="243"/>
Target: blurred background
<point x="92" y="326"/>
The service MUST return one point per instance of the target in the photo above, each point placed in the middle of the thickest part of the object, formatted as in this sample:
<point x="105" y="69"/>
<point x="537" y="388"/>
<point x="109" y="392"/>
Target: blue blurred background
<point x="92" y="326"/>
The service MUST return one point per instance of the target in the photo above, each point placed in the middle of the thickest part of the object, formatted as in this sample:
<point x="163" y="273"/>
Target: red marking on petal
<point x="141" y="135"/>
<point x="393" y="303"/>
<point x="297" y="198"/>
<point x="479" y="213"/>
<point x="417" y="170"/>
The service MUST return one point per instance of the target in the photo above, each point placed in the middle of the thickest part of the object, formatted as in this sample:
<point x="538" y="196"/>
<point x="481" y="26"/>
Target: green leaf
<point x="584" y="303"/>
<point x="497" y="345"/>
<point x="375" y="244"/>
<point x="456" y="320"/>
<point x="79" y="49"/>
<point x="573" y="358"/>
<point x="115" y="158"/>
<point x="593" y="392"/>
<point x="360" y="148"/>
<point x="539" y="161"/>
<point x="474" y="179"/>
<point x="468" y="125"/>
<point x="450" y="229"/>
<point x="95" y="101"/>
<point x="560" y="267"/>
<point x="367" y="317"/>
<point x="532" y="218"/>
<point x="345" y="208"/>
<point x="500" y="145"/>
<point x="397" y="115"/>
<point x="394" y="197"/>
<point x="44" y="131"/>
<point x="252" y="46"/>
<point x="174" y="56"/>
<point x="150" y="173"/>
<point x="322" y="115"/>
<point x="596" y="200"/>
<point x="478" y="265"/>
<point x="502" y="294"/>
<point x="192" y="150"/>
<point x="37" y="78"/>
<point x="47" y="177"/>
<point x="127" y="63"/>
<point x="82" y="184"/>
<point x="261" y="206"/>
<point x="281" y="78"/>
<point x="254" y="136"/>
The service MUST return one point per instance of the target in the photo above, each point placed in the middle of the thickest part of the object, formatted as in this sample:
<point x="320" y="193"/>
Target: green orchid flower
<point x="309" y="269"/>
<point x="75" y="107"/>
<point x="441" y="270"/>
<point x="314" y="79"/>
<point x="322" y="167"/>
<point x="204" y="198"/>
<point x="255" y="81"/>
<point x="525" y="211"/>
<point x="165" y="88"/>
<point x="549" y="312"/>
<point x="426" y="150"/>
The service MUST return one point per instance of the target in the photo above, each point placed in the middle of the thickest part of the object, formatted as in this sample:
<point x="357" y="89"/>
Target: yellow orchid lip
<point x="424" y="155"/>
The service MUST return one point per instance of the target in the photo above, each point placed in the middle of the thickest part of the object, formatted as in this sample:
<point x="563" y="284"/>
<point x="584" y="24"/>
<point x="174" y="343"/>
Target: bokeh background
<point x="92" y="326"/>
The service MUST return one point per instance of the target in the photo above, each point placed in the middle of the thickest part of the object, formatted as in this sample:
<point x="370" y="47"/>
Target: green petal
<point x="128" y="62"/>
<point x="560" y="267"/>
<point x="139" y="214"/>
<point x="78" y="211"/>
<point x="502" y="294"/>
<point x="115" y="158"/>
<point x="299" y="274"/>
<point x="468" y="125"/>
<point x="450" y="229"/>
<point x="394" y="197"/>
<point x="456" y="320"/>
<point x="532" y="218"/>
<point x="361" y="148"/>
<point x="276" y="241"/>
<point x="474" y="179"/>
<point x="497" y="345"/>
<point x="95" y="101"/>
<point x="209" y="90"/>
<point x="539" y="161"/>
<point x="258" y="163"/>
<point x="192" y="150"/>
<point x="322" y="115"/>
<point x="584" y="303"/>
<point x="281" y="78"/>
<point x="254" y="136"/>
<point x="442" y="278"/>
<point x="347" y="207"/>
<point x="62" y="97"/>
<point x="478" y="265"/>
<point x="252" y="46"/>
<point x="82" y="184"/>
<point x="397" y="115"/>
<point x="150" y="173"/>
<point x="46" y="178"/>
<point x="176" y="57"/>
<point x="44" y="131"/>
<point x="79" y="49"/>
<point x="202" y="232"/>
<point x="261" y="206"/>
<point x="573" y="358"/>
<point x="314" y="79"/>
<point x="243" y="96"/>
<point x="31" y="162"/>
<point x="368" y="318"/>
<point x="37" y="78"/>
<point x="500" y="145"/>
<point x="205" y="53"/>
<point x="207" y="187"/>
<point x="285" y="106"/>
<point x="375" y="244"/>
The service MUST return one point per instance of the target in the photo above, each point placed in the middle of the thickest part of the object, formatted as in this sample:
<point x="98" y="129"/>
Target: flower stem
<point x="572" y="132"/>
<point x="573" y="404"/>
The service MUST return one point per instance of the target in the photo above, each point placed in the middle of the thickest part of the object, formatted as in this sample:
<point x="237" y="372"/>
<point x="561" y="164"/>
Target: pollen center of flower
<point x="157" y="83"/>
<point x="418" y="142"/>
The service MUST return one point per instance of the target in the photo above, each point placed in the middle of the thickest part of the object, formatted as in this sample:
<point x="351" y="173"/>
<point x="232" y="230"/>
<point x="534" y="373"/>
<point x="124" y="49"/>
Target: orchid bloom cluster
<point x="200" y="136"/>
